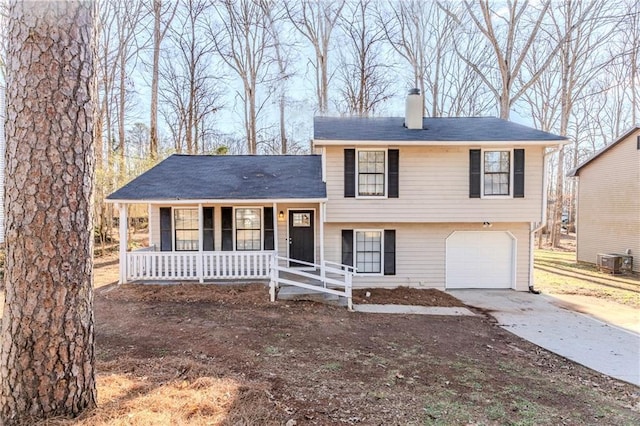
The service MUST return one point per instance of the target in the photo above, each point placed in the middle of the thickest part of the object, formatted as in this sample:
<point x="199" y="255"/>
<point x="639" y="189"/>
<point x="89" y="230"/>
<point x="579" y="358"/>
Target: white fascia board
<point x="439" y="143"/>
<point x="221" y="201"/>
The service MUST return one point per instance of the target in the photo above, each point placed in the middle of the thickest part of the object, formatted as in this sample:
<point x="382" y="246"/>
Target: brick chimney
<point x="413" y="110"/>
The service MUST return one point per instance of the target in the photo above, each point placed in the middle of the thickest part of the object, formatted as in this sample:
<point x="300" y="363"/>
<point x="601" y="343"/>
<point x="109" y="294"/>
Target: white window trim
<point x="174" y="236"/>
<point x="355" y="252"/>
<point x="386" y="173"/>
<point x="510" y="151"/>
<point x="261" y="208"/>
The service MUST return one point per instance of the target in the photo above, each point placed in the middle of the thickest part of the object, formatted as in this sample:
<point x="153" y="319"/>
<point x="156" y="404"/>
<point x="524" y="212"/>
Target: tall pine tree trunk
<point x="153" y="121"/>
<point x="47" y="357"/>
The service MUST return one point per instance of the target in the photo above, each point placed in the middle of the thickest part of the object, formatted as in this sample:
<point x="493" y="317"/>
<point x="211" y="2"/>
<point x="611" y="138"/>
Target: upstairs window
<point x="497" y="172"/>
<point x="371" y="173"/>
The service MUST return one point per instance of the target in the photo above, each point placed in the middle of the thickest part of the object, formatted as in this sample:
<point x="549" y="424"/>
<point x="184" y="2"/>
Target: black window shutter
<point x="268" y="228"/>
<point x="393" y="156"/>
<point x="166" y="236"/>
<point x="518" y="173"/>
<point x="207" y="229"/>
<point x="349" y="172"/>
<point x="389" y="252"/>
<point x="638" y="142"/>
<point x="226" y="217"/>
<point x="474" y="173"/>
<point x="347" y="247"/>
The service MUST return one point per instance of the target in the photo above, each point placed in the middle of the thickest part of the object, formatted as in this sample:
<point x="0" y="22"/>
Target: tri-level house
<point x="404" y="201"/>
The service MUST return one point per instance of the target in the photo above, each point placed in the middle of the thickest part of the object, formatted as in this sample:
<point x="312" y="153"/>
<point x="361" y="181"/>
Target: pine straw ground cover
<point x="208" y="355"/>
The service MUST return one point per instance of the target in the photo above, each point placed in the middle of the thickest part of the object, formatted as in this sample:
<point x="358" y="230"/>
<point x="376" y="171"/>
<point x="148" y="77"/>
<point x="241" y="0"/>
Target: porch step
<point x="289" y="292"/>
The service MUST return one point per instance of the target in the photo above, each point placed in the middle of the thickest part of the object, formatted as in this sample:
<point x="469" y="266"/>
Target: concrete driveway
<point x="600" y="346"/>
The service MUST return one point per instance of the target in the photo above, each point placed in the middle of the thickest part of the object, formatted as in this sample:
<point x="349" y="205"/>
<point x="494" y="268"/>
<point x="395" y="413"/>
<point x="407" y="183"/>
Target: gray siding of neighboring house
<point x="609" y="203"/>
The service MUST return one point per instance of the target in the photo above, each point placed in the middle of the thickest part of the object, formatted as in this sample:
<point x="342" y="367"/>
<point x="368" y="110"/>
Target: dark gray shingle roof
<point x="232" y="177"/>
<point x="434" y="129"/>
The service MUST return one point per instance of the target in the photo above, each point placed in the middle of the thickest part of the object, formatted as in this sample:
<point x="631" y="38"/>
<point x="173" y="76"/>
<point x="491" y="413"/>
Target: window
<point x="186" y="228"/>
<point x="497" y="172"/>
<point x="371" y="170"/>
<point x="248" y="234"/>
<point x="369" y="252"/>
<point x="301" y="220"/>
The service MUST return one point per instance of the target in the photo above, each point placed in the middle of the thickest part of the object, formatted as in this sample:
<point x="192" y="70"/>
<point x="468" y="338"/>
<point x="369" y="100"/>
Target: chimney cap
<point x="414" y="91"/>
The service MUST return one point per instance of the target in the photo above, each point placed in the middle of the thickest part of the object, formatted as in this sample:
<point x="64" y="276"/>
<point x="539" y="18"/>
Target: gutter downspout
<point x="543" y="222"/>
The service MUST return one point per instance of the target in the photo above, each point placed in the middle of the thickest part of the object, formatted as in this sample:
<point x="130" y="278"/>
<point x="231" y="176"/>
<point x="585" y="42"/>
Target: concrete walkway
<point x="600" y="346"/>
<point x="415" y="310"/>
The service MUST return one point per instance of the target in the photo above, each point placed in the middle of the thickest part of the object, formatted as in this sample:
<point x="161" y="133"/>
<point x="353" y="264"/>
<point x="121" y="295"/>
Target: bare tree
<point x="162" y="17"/>
<point x="316" y="20"/>
<point x="283" y="56"/>
<point x="575" y="24"/>
<point x="47" y="360"/>
<point x="364" y="75"/>
<point x="630" y="26"/>
<point x="503" y="31"/>
<point x="244" y="42"/>
<point x="189" y="94"/>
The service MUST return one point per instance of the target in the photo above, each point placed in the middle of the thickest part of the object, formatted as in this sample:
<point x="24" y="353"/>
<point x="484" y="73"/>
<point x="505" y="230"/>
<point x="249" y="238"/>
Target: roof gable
<point x="437" y="129"/>
<point x="231" y="177"/>
<point x="597" y="154"/>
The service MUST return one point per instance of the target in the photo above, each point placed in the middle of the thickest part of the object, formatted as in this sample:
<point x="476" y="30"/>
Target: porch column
<point x="321" y="220"/>
<point x="149" y="227"/>
<point x="123" y="224"/>
<point x="275" y="227"/>
<point x="199" y="260"/>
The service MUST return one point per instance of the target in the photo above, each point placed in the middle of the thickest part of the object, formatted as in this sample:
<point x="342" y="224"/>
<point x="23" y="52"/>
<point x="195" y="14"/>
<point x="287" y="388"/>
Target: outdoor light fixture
<point x="281" y="215"/>
<point x="486" y="224"/>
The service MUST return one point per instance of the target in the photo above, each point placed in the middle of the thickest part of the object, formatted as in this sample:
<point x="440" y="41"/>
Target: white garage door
<point x="477" y="259"/>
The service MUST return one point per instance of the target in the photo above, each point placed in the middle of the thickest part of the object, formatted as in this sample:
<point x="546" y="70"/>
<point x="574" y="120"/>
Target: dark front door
<point x="301" y="236"/>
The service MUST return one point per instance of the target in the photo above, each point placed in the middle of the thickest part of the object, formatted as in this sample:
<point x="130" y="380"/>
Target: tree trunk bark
<point x="283" y="131"/>
<point x="153" y="121"/>
<point x="121" y="115"/>
<point x="47" y="355"/>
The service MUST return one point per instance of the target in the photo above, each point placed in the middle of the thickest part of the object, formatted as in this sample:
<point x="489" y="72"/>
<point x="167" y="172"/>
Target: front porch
<point x="182" y="249"/>
<point x="147" y="264"/>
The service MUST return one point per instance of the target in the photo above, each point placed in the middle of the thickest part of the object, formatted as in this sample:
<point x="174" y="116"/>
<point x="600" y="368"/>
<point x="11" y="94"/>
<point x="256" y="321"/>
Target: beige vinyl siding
<point x="434" y="187"/>
<point x="420" y="252"/>
<point x="282" y="227"/>
<point x="609" y="203"/>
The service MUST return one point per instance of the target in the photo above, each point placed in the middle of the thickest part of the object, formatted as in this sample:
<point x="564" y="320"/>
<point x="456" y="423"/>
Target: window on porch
<point x="248" y="229"/>
<point x="186" y="229"/>
<point x="179" y="229"/>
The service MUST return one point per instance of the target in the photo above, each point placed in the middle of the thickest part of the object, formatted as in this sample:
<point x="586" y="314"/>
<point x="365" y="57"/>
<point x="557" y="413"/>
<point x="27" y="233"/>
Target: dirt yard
<point x="208" y="355"/>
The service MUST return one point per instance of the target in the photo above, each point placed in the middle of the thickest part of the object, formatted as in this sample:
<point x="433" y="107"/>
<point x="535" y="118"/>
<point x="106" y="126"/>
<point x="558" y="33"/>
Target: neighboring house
<point x="413" y="201"/>
<point x="609" y="201"/>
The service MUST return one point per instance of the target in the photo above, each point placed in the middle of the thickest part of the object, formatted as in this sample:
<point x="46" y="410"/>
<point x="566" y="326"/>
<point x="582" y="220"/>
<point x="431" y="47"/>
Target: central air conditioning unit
<point x="627" y="262"/>
<point x="611" y="263"/>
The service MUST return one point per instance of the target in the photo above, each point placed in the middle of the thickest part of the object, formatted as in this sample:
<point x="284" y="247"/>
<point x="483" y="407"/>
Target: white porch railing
<point x="332" y="278"/>
<point x="170" y="265"/>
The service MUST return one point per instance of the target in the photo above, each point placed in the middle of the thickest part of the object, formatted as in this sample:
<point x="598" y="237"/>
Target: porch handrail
<point x="344" y="277"/>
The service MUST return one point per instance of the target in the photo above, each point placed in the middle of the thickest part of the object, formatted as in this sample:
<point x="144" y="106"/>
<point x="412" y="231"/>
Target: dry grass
<point x="194" y="395"/>
<point x="558" y="272"/>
